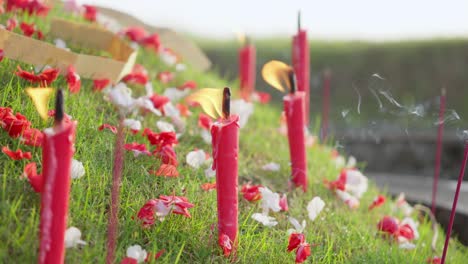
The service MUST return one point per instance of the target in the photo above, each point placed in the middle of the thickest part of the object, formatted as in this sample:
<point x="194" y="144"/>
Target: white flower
<point x="271" y="167"/>
<point x="121" y="96"/>
<point x="136" y="252"/>
<point x="340" y="162"/>
<point x="165" y="126"/>
<point x="180" y="67"/>
<point x="175" y="94"/>
<point x="169" y="58"/>
<point x="350" y="200"/>
<point x="243" y="109"/>
<point x="270" y="200"/>
<point x="206" y="136"/>
<point x="356" y="183"/>
<point x="60" y="43"/>
<point x="133" y="124"/>
<point x="73" y="237"/>
<point x="407" y="245"/>
<point x="149" y="89"/>
<point x="77" y="169"/>
<point x="315" y="207"/>
<point x="196" y="158"/>
<point x="210" y="173"/>
<point x="298" y="228"/>
<point x="145" y="103"/>
<point x="264" y="219"/>
<point x="170" y="110"/>
<point x="403" y="205"/>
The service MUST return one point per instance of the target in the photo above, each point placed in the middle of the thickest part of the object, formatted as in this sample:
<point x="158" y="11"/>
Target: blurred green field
<point x="414" y="73"/>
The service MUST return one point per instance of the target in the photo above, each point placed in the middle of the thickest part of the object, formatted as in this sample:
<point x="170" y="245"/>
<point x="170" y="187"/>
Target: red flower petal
<point x="251" y="192"/>
<point x="30" y="171"/>
<point x="73" y="80"/>
<point x="15" y="125"/>
<point x="204" y="121"/>
<point x="188" y="85"/>
<point x="11" y="24"/>
<point x="167" y="170"/>
<point x="406" y="231"/>
<point x="263" y="98"/>
<point x="152" y="42"/>
<point x="183" y="109"/>
<point x="16" y="155"/>
<point x="139" y="75"/>
<point x="434" y="260"/>
<point x="113" y="129"/>
<point x="137" y="148"/>
<point x="2" y="54"/>
<point x="167" y="155"/>
<point x="378" y="201"/>
<point x="32" y="137"/>
<point x="283" y="203"/>
<point x="146" y="213"/>
<point x="225" y="244"/>
<point x="45" y="78"/>
<point x="295" y="239"/>
<point x="165" y="76"/>
<point x="302" y="253"/>
<point x="159" y="101"/>
<point x="129" y="260"/>
<point x="208" y="186"/>
<point x="135" y="34"/>
<point x="388" y="225"/>
<point x="100" y="84"/>
<point x="90" y="13"/>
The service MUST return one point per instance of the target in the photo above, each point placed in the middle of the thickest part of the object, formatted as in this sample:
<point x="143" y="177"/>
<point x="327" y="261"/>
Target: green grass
<point x="342" y="235"/>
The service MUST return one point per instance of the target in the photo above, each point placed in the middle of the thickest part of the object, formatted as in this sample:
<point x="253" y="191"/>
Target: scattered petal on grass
<point x="77" y="169"/>
<point x="251" y="192"/>
<point x="137" y="149"/>
<point x="73" y="237"/>
<point x="264" y="219"/>
<point x="196" y="158"/>
<point x="208" y="186"/>
<point x="136" y="252"/>
<point x="165" y="126"/>
<point x="16" y="155"/>
<point x="315" y="207"/>
<point x="270" y="200"/>
<point x="167" y="170"/>
<point x="113" y="129"/>
<point x="209" y="172"/>
<point x="378" y="201"/>
<point x="284" y="203"/>
<point x="271" y="167"/>
<point x="30" y="172"/>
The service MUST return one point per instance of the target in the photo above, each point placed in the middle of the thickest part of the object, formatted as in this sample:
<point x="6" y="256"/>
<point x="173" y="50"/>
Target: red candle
<point x="57" y="153"/>
<point x="440" y="132"/>
<point x="225" y="144"/>
<point x="326" y="103"/>
<point x="300" y="62"/>
<point x="247" y="62"/>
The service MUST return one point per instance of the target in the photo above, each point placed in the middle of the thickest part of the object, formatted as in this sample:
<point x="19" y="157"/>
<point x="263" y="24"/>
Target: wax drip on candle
<point x="226" y="102"/>
<point x="59" y="111"/>
<point x="292" y="82"/>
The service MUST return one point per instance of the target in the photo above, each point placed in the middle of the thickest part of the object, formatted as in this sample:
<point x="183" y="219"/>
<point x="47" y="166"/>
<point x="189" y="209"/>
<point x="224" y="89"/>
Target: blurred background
<point x="388" y="62"/>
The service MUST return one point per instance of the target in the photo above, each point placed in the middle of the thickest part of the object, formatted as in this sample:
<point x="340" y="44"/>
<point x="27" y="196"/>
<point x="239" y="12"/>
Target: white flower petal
<point x="271" y="167"/>
<point x="315" y="207"/>
<point x="298" y="228"/>
<point x="407" y="245"/>
<point x="77" y="169"/>
<point x="180" y="67"/>
<point x="133" y="124"/>
<point x="165" y="126"/>
<point x="136" y="252"/>
<point x="356" y="183"/>
<point x="243" y="109"/>
<point x="206" y="136"/>
<point x="73" y="237"/>
<point x="270" y="200"/>
<point x="210" y="173"/>
<point x="196" y="158"/>
<point x="175" y="94"/>
<point x="60" y="43"/>
<point x="264" y="219"/>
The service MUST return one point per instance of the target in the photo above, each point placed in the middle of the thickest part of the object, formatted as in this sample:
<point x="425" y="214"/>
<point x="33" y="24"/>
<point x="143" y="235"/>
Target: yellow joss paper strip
<point x="276" y="73"/>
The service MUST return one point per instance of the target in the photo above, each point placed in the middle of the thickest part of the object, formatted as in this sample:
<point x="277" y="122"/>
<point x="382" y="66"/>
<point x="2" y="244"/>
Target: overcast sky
<point x="324" y="19"/>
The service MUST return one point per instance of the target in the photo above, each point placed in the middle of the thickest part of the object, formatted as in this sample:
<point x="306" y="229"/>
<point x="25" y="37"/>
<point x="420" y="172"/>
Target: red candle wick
<point x="59" y="108"/>
<point x="455" y="201"/>
<point x="292" y="82"/>
<point x="226" y="103"/>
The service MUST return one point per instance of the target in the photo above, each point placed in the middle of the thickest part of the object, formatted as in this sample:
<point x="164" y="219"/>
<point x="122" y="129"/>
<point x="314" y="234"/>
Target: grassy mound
<point x="341" y="235"/>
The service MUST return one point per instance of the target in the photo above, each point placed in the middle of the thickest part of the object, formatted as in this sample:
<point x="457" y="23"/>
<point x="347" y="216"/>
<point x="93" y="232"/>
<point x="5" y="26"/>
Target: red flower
<point x="251" y="192"/>
<point x="302" y="252"/>
<point x="434" y="260"/>
<point x="90" y="13"/>
<point x="73" y="80"/>
<point x="388" y="225"/>
<point x="16" y="155"/>
<point x="32" y="7"/>
<point x="129" y="260"/>
<point x="2" y="53"/>
<point x="27" y="29"/>
<point x="135" y="34"/>
<point x="11" y="24"/>
<point x="167" y="170"/>
<point x="183" y="109"/>
<point x="32" y="137"/>
<point x="378" y="201"/>
<point x="15" y="125"/>
<point x="406" y="231"/>
<point x="45" y="78"/>
<point x="39" y="34"/>
<point x="283" y="203"/>
<point x="165" y="76"/>
<point x="204" y="121"/>
<point x="188" y="85"/>
<point x="152" y="42"/>
<point x="146" y="213"/>
<point x="180" y="204"/>
<point x="295" y="239"/>
<point x="159" y="101"/>
<point x="113" y="129"/>
<point x="208" y="186"/>
<point x="139" y="75"/>
<point x="160" y="139"/>
<point x="339" y="184"/>
<point x="167" y="155"/>
<point x="137" y="148"/>
<point x="263" y="98"/>
<point x="30" y="171"/>
<point x="100" y="84"/>
<point x="225" y="244"/>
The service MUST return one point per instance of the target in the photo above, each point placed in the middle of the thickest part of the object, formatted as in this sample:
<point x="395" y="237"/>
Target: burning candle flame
<point x="277" y="74"/>
<point x="211" y="101"/>
<point x="40" y="98"/>
<point x="241" y="37"/>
